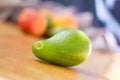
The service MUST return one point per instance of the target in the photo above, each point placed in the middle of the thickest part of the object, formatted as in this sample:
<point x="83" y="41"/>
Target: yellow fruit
<point x="66" y="20"/>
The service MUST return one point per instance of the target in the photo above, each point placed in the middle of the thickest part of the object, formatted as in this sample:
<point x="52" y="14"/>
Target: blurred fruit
<point x="25" y="19"/>
<point x="48" y="14"/>
<point x="67" y="48"/>
<point x="38" y="22"/>
<point x="38" y="25"/>
<point x="32" y="21"/>
<point x="66" y="20"/>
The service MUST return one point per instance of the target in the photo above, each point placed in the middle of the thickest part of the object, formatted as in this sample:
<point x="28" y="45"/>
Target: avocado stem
<point x="38" y="45"/>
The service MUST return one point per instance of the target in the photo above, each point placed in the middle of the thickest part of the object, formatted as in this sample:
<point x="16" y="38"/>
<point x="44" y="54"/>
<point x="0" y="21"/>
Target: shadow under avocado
<point x="56" y="71"/>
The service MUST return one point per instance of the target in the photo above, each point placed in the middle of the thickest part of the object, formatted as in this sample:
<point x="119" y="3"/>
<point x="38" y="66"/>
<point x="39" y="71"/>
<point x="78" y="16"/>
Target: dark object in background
<point x="108" y="12"/>
<point x="116" y="10"/>
<point x="116" y="14"/>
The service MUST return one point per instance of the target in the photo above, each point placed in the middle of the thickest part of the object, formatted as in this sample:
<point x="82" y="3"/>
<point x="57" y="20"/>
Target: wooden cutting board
<point x="17" y="61"/>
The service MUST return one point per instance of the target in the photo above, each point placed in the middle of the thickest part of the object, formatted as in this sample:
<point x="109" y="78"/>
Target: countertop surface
<point x="17" y="61"/>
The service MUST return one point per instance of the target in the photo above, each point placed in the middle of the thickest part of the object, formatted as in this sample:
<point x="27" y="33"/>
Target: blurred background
<point x="99" y="19"/>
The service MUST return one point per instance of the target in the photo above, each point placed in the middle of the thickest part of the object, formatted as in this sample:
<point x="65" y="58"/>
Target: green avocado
<point x="67" y="48"/>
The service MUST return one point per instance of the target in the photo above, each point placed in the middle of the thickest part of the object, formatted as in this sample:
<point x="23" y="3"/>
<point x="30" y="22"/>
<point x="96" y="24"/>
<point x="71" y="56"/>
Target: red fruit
<point x="38" y="25"/>
<point x="25" y="18"/>
<point x="31" y="21"/>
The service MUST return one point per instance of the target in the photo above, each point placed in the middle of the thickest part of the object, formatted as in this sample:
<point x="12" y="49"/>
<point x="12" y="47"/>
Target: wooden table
<point x="17" y="61"/>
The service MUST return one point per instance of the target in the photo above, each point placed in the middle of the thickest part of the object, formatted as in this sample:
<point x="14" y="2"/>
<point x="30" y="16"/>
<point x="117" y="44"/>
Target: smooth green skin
<point x="67" y="48"/>
<point x="56" y="30"/>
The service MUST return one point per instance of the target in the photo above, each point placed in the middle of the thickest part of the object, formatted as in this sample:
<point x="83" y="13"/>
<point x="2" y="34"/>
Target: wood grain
<point x="17" y="61"/>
